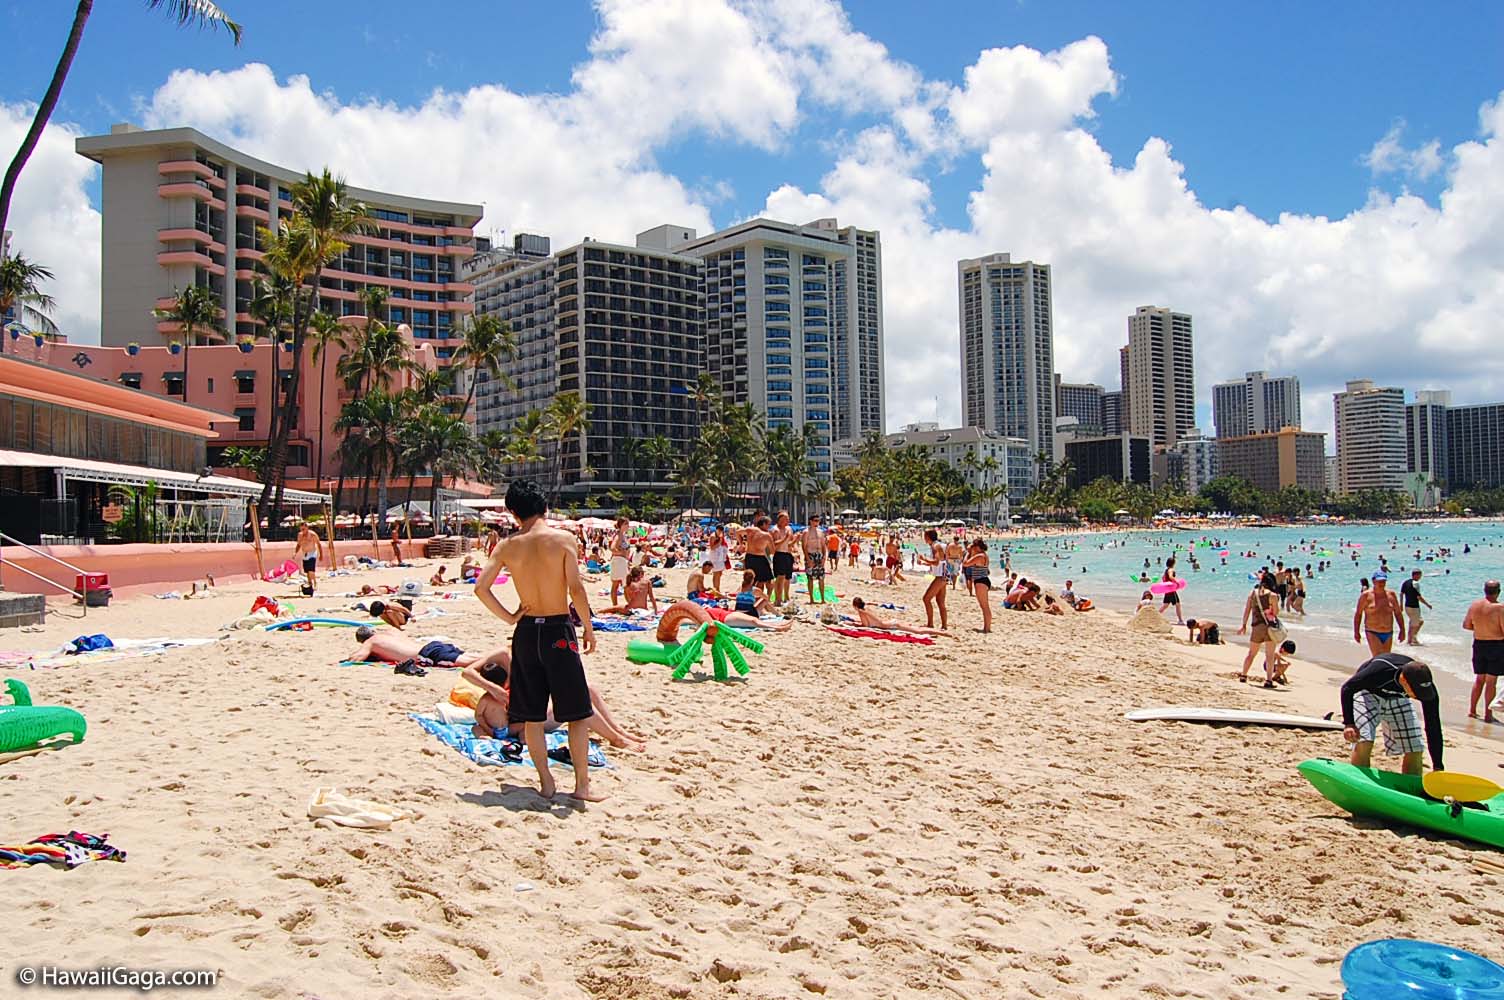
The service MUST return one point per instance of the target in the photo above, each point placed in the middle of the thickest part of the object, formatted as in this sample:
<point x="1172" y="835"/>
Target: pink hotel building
<point x="179" y="208"/>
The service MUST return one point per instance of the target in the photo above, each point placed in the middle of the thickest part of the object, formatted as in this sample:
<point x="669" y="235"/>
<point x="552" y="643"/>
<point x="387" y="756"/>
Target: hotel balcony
<point x="184" y="167"/>
<point x="186" y="189"/>
<point x="194" y="235"/>
<point x="197" y="258"/>
<point x="252" y="212"/>
<point x="253" y="191"/>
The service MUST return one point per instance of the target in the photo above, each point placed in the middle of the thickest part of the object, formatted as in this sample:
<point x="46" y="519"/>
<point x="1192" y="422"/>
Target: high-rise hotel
<point x="1007" y="349"/>
<point x="180" y="209"/>
<point x="1160" y="389"/>
<point x="622" y="326"/>
<point x="793" y="323"/>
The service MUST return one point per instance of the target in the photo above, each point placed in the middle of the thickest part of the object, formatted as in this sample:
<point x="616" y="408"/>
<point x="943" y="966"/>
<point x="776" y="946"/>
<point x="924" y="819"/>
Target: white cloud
<point x="53" y="222"/>
<point x="1390" y="156"/>
<point x="1404" y="290"/>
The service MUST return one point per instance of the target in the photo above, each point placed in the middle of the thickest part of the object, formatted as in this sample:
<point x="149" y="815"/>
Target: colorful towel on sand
<point x="614" y="624"/>
<point x="69" y="850"/>
<point x="464" y="741"/>
<point x="124" y="649"/>
<point x="872" y="633"/>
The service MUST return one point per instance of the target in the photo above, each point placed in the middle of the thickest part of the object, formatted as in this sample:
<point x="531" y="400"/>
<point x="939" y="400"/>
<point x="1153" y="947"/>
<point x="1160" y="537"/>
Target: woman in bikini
<point x="981" y="583"/>
<point x="935" y="592"/>
<point x="1263" y="607"/>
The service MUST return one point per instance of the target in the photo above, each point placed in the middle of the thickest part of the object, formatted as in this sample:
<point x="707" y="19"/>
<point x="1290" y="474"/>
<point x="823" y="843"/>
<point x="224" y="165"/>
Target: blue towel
<point x="616" y="625"/>
<point x="463" y="740"/>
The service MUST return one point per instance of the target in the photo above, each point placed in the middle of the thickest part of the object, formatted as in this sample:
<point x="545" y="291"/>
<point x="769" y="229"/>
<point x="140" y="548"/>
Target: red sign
<point x="112" y="513"/>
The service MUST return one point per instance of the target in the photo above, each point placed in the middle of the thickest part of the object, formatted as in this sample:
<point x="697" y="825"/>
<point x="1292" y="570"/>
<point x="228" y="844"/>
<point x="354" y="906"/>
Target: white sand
<point x="858" y="819"/>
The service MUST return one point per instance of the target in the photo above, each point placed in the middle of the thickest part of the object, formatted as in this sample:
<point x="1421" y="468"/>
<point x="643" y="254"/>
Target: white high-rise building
<point x="1370" y="423"/>
<point x="793" y="322"/>
<point x="1256" y="404"/>
<point x="1196" y="460"/>
<point x="1161" y="386"/>
<point x="1007" y="349"/>
<point x="857" y="314"/>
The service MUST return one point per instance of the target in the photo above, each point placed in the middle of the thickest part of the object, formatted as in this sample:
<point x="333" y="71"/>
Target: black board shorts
<point x="783" y="564"/>
<point x="762" y="570"/>
<point x="309" y="563"/>
<point x="546" y="667"/>
<point x="1488" y="657"/>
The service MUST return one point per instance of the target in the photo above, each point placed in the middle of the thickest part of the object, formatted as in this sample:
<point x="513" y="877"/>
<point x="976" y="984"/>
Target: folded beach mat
<point x="463" y="740"/>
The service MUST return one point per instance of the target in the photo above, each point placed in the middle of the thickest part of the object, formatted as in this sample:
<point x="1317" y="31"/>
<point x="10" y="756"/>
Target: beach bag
<point x="1277" y="633"/>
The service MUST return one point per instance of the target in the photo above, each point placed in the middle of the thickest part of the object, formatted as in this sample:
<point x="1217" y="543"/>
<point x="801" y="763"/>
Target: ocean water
<point x="1106" y="567"/>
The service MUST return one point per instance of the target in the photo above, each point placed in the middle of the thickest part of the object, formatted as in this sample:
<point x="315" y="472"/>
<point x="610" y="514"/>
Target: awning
<point x="490" y="503"/>
<point x="88" y="470"/>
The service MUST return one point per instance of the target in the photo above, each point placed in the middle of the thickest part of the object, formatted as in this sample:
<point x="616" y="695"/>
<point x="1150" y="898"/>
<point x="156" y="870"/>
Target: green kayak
<point x="1367" y="791"/>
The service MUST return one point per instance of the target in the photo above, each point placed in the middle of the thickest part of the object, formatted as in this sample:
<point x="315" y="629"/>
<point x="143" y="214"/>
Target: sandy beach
<point x="858" y="818"/>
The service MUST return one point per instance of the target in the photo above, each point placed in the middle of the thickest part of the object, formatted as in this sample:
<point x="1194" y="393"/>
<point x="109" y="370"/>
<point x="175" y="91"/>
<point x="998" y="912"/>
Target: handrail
<point x="82" y="597"/>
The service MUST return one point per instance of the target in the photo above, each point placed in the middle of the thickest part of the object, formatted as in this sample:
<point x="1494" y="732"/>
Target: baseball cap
<point x="1380" y="576"/>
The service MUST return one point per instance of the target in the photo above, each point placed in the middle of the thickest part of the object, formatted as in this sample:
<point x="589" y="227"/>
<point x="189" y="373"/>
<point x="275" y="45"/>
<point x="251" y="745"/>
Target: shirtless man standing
<point x="759" y="545"/>
<point x="307" y="550"/>
<point x="546" y="667"/>
<point x="621" y="551"/>
<point x="1485" y="619"/>
<point x="955" y="553"/>
<point x="812" y="538"/>
<point x="783" y="558"/>
<point x="1378" y="616"/>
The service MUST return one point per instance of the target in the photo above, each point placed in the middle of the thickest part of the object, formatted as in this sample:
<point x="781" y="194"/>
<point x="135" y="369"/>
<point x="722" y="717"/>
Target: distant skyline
<point x="1326" y="202"/>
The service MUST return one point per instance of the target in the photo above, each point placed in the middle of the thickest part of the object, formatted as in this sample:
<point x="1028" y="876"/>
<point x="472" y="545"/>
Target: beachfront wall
<point x="141" y="568"/>
<point x="224" y="379"/>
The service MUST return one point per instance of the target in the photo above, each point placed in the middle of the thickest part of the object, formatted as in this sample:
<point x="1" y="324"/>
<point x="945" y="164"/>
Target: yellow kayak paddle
<point x="1459" y="787"/>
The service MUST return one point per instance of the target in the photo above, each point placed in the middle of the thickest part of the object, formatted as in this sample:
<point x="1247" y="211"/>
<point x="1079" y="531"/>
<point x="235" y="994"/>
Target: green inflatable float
<point x="687" y="654"/>
<point x="24" y="725"/>
<point x="831" y="597"/>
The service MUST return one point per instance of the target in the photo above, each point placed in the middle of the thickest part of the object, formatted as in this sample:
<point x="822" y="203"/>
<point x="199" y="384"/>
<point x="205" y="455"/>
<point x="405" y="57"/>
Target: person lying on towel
<point x="492" y="674"/>
<point x="870" y="620"/>
<point x="391" y="646"/>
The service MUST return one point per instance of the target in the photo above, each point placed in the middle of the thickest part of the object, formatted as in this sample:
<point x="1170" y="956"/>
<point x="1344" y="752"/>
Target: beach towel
<point x="69" y="850"/>
<point x="872" y="633"/>
<point x="616" y="625"/>
<point x="124" y="649"/>
<point x="493" y="751"/>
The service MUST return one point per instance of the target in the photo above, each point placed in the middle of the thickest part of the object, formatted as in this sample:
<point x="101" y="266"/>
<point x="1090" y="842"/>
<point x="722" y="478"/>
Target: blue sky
<point x="1364" y="142"/>
<point x="1269" y="105"/>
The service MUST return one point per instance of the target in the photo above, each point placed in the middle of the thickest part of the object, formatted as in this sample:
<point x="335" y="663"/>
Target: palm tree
<point x="197" y="13"/>
<point x="658" y="452"/>
<point x="449" y="440"/>
<point x="431" y="386"/>
<point x="19" y="279"/>
<point x="380" y="416"/>
<point x="327" y="334"/>
<point x="324" y="215"/>
<point x="567" y="415"/>
<point x="194" y="309"/>
<point x="486" y="343"/>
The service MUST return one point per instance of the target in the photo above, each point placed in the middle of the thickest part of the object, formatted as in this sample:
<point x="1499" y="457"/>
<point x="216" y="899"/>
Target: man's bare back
<point x="540" y="560"/>
<point x="1485" y="619"/>
<point x="758" y="541"/>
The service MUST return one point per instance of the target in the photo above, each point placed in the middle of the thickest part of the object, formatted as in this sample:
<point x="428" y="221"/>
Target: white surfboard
<point x="1174" y="713"/>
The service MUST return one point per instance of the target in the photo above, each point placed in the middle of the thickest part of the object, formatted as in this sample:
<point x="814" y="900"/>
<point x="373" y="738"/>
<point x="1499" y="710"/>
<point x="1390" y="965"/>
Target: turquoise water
<point x="1105" y="567"/>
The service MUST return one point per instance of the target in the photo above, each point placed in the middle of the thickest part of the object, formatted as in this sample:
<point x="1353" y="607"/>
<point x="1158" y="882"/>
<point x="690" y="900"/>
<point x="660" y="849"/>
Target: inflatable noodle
<point x="22" y="725"/>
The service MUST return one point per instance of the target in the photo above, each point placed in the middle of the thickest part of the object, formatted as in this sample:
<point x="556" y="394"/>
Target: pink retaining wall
<point x="139" y="568"/>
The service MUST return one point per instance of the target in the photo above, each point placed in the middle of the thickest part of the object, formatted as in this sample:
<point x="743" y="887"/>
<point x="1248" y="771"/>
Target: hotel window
<point x="174" y="382"/>
<point x="245" y="381"/>
<point x="247" y="418"/>
<point x="131" y="380"/>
